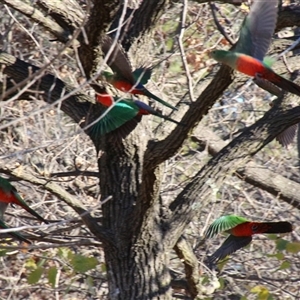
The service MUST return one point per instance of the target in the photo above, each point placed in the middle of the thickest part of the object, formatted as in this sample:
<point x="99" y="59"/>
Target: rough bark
<point x="138" y="21"/>
<point x="253" y="173"/>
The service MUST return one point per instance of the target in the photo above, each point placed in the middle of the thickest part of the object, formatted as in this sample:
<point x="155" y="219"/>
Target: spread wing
<point x="118" y="60"/>
<point x="231" y="244"/>
<point x="120" y="114"/>
<point x="257" y="29"/>
<point x="224" y="223"/>
<point x="286" y="137"/>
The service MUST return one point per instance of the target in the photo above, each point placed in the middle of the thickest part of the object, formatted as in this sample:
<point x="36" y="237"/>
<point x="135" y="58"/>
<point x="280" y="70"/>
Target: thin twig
<point x="181" y="48"/>
<point x="219" y="27"/>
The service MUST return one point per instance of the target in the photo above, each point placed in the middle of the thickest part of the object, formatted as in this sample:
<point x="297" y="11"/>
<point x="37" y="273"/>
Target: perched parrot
<point x="241" y="231"/>
<point x="122" y="112"/>
<point x="16" y="235"/>
<point x="124" y="78"/>
<point x="247" y="56"/>
<point x="8" y="194"/>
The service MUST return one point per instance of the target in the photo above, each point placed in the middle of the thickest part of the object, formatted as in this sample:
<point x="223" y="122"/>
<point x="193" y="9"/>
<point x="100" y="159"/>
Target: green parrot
<point x="16" y="235"/>
<point x="8" y="194"/>
<point x="241" y="231"/>
<point x="124" y="78"/>
<point x="247" y="56"/>
<point x="121" y="113"/>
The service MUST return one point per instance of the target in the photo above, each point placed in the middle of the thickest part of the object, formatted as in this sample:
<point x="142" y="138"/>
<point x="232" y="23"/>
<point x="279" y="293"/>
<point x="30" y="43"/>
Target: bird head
<point x="105" y="75"/>
<point x="218" y="55"/>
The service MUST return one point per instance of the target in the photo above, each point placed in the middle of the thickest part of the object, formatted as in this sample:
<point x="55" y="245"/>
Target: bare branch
<point x="253" y="173"/>
<point x="158" y="152"/>
<point x="56" y="190"/>
<point x="37" y="16"/>
<point x="234" y="156"/>
<point x="190" y="261"/>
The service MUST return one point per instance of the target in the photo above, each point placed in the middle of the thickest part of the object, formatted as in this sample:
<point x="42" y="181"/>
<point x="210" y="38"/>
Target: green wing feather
<point x="257" y="29"/>
<point x="224" y="223"/>
<point x="122" y="112"/>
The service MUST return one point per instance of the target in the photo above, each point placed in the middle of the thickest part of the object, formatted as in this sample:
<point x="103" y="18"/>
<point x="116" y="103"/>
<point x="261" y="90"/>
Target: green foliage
<point x="278" y="255"/>
<point x="35" y="275"/>
<point x="83" y="264"/>
<point x="69" y="262"/>
<point x="281" y="244"/>
<point x="293" y="247"/>
<point x="52" y="273"/>
<point x="262" y="292"/>
<point x="284" y="265"/>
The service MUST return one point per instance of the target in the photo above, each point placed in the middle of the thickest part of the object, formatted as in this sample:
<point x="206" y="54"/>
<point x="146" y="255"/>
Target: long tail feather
<point x="150" y="95"/>
<point x="31" y="211"/>
<point x="152" y="111"/>
<point x="285" y="84"/>
<point x="277" y="227"/>
<point x="23" y="204"/>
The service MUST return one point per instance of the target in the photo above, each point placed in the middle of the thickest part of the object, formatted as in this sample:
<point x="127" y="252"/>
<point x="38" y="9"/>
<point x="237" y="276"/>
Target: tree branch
<point x="37" y="16"/>
<point x="55" y="90"/>
<point x="255" y="174"/>
<point x="190" y="261"/>
<point x="234" y="156"/>
<point x="139" y="21"/>
<point x="70" y="200"/>
<point x="158" y="152"/>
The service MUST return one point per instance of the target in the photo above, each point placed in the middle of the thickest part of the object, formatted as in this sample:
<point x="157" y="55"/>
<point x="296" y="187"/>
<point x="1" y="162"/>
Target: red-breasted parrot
<point x="247" y="56"/>
<point x="241" y="231"/>
<point x="124" y="78"/>
<point x="122" y="111"/>
<point x="9" y="194"/>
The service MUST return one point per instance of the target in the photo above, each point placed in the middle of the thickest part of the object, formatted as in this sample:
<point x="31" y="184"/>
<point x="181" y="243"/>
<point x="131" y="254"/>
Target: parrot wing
<point x="142" y="75"/>
<point x="257" y="29"/>
<point x="231" y="244"/>
<point x="121" y="113"/>
<point x="224" y="223"/>
<point x="118" y="60"/>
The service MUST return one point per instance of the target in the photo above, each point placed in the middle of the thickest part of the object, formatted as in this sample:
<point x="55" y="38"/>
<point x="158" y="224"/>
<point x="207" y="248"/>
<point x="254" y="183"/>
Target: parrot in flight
<point x="241" y="231"/>
<point x="122" y="111"/>
<point x="124" y="78"/>
<point x="8" y="194"/>
<point x="247" y="56"/>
